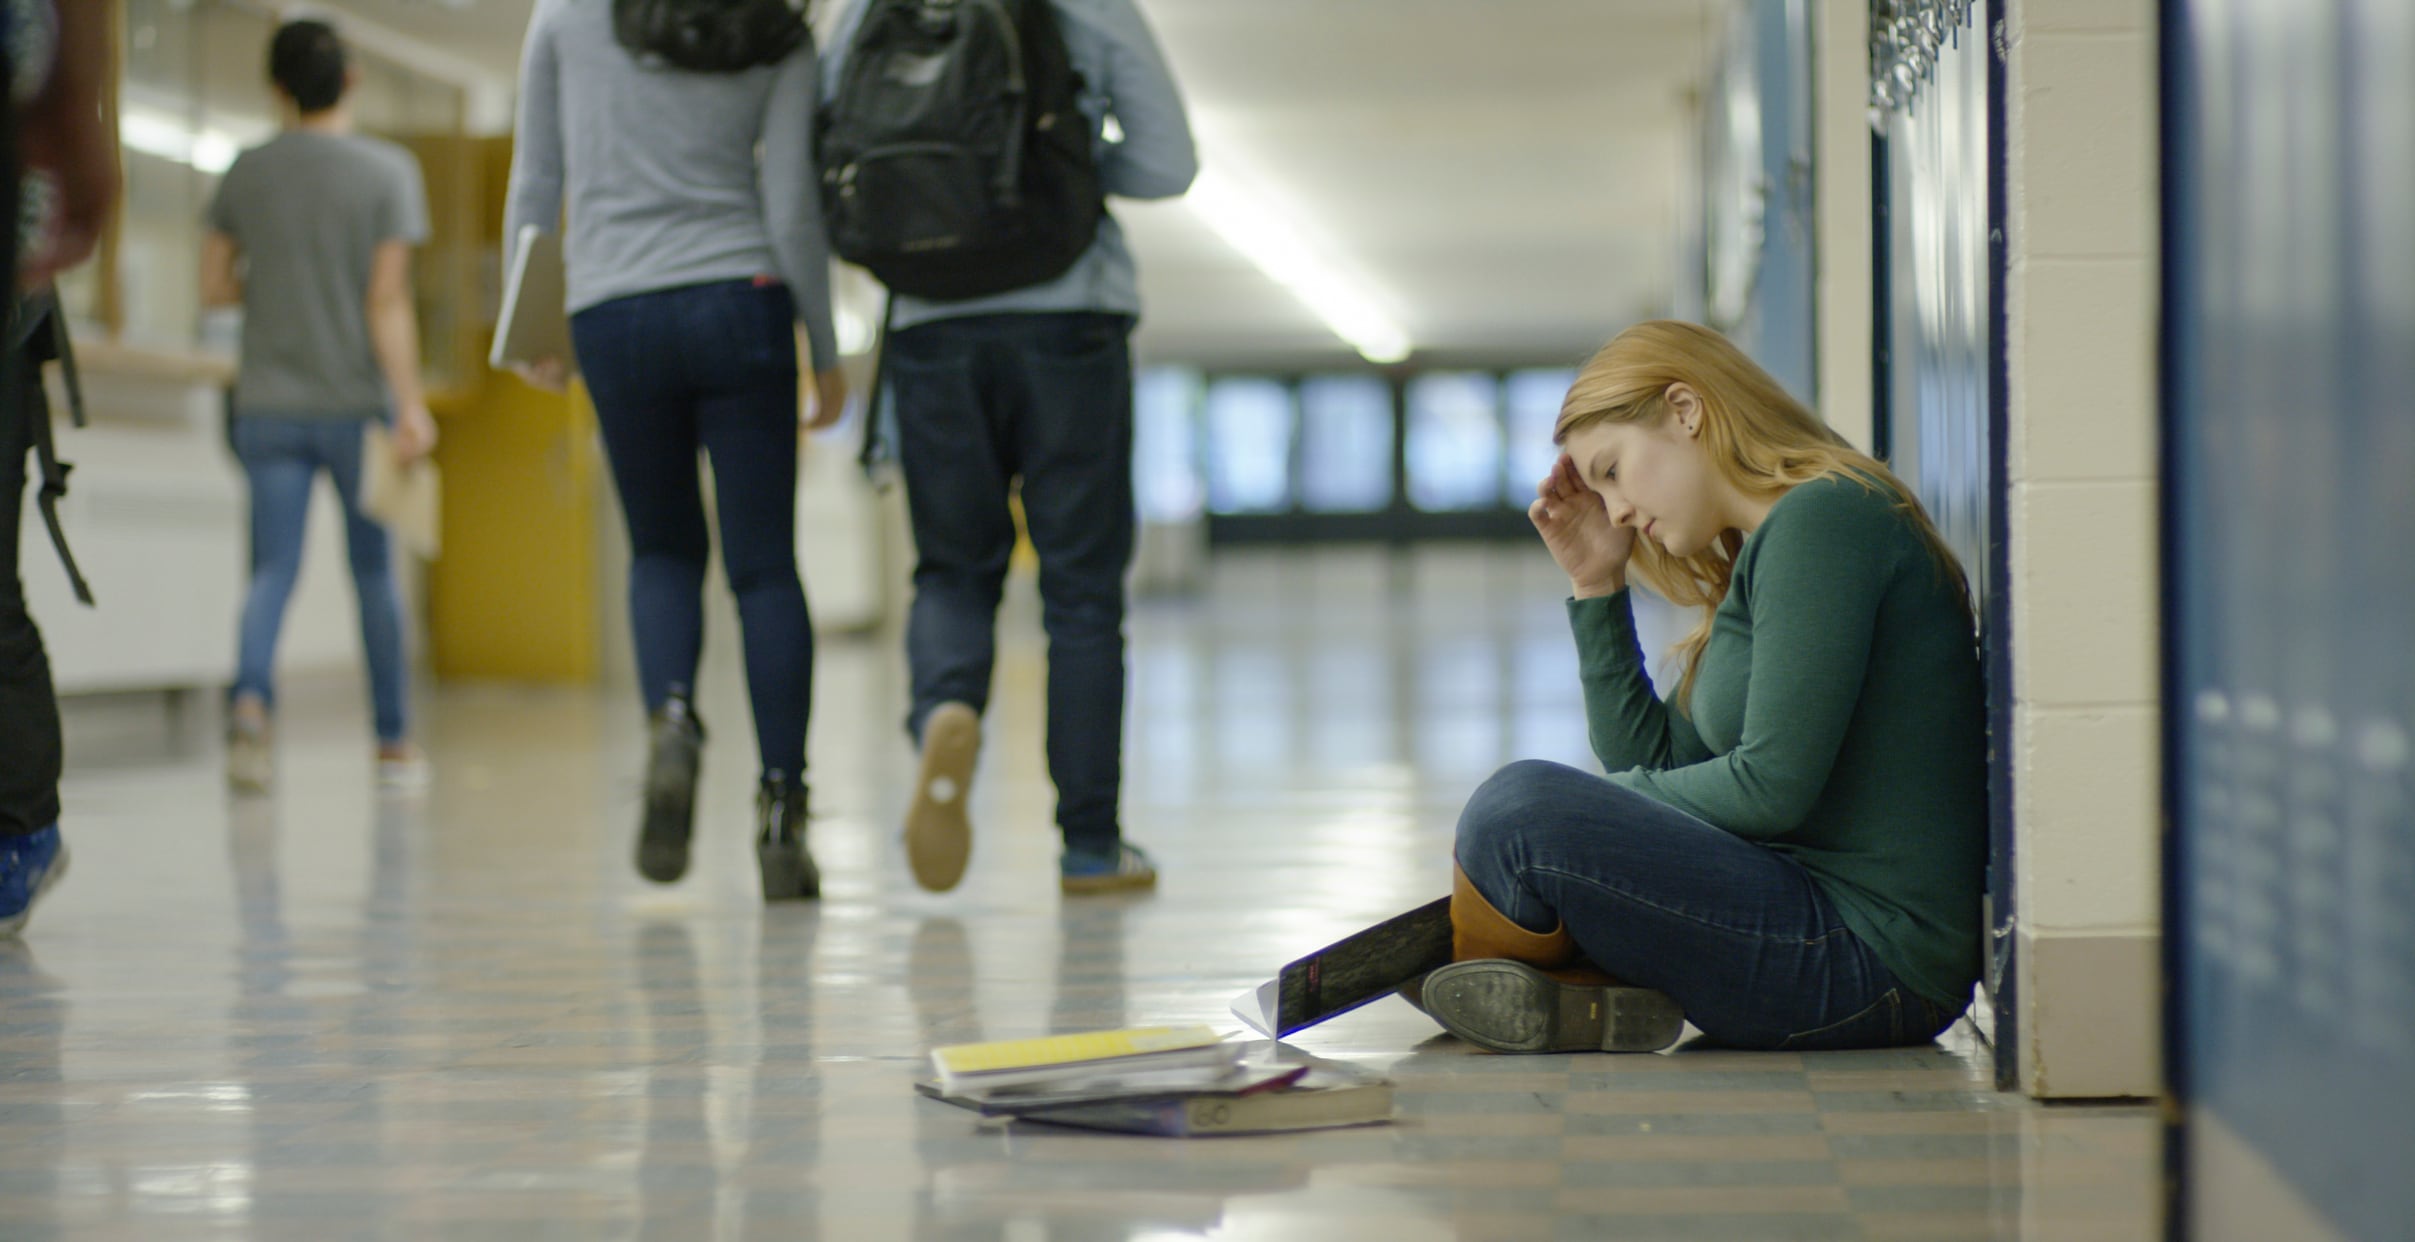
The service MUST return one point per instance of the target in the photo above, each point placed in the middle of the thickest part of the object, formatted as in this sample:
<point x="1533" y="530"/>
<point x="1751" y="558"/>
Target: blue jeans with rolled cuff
<point x="1734" y="931"/>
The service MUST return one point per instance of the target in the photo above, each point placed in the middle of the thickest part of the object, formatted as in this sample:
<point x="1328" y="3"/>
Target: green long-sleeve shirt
<point x="1838" y="716"/>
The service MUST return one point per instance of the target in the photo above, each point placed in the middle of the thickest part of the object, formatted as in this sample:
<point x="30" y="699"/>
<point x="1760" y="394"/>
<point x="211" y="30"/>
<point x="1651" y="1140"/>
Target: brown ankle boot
<point x="1513" y="990"/>
<point x="1479" y="932"/>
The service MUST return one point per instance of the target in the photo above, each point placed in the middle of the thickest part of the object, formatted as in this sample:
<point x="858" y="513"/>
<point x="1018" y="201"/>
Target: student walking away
<point x="681" y="135"/>
<point x="1012" y="300"/>
<point x="58" y="172"/>
<point x="311" y="234"/>
<point x="1789" y="848"/>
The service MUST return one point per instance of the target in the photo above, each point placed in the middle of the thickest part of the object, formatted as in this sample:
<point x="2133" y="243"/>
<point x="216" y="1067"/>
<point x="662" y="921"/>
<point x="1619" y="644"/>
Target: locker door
<point x="2289" y="412"/>
<point x="1938" y="165"/>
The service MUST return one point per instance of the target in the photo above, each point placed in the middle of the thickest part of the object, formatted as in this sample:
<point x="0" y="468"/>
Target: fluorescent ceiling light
<point x="1263" y="236"/>
<point x="163" y="134"/>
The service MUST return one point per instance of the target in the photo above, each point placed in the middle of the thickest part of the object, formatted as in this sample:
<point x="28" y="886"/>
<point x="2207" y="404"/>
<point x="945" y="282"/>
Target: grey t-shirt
<point x="308" y="211"/>
<point x="672" y="178"/>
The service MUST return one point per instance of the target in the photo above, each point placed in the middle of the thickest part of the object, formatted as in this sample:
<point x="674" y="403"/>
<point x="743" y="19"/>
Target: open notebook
<point x="1360" y="967"/>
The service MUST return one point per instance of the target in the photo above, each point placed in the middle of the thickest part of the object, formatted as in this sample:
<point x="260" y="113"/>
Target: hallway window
<point x="1345" y="444"/>
<point x="1534" y="409"/>
<point x="1250" y="421"/>
<point x="1454" y="440"/>
<point x="1166" y="481"/>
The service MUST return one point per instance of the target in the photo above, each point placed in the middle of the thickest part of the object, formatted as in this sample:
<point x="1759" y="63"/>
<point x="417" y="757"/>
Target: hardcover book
<point x="1273" y="1088"/>
<point x="977" y="1069"/>
<point x="1207" y="1080"/>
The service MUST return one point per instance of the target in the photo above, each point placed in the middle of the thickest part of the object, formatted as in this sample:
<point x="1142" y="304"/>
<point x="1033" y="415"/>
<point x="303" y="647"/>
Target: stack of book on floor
<point x="1157" y="1080"/>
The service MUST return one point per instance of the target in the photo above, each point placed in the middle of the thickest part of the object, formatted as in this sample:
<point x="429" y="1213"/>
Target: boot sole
<point x="788" y="872"/>
<point x="939" y="832"/>
<point x="670" y="822"/>
<point x="1512" y="1007"/>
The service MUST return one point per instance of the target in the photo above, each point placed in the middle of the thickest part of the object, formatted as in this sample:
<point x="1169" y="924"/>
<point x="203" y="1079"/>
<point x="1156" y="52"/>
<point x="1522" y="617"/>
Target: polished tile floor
<point x="331" y="1014"/>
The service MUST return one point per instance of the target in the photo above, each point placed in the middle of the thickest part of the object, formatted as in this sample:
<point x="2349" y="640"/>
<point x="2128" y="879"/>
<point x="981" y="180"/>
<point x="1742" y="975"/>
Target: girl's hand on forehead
<point x="1563" y="482"/>
<point x="1576" y="528"/>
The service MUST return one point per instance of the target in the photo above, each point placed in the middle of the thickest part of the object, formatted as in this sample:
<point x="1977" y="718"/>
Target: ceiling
<point x="1502" y="174"/>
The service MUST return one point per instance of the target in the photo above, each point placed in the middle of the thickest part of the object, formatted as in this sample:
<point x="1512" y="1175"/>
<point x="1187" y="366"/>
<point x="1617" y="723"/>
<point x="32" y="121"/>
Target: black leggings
<point x="29" y="708"/>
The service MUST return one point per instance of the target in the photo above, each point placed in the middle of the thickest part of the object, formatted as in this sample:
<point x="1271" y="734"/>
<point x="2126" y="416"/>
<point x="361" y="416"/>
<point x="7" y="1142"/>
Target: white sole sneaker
<point x="939" y="834"/>
<point x="251" y="762"/>
<point x="404" y="775"/>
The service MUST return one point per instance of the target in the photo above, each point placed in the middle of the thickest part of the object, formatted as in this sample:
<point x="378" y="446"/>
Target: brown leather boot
<point x="1513" y="990"/>
<point x="1479" y="932"/>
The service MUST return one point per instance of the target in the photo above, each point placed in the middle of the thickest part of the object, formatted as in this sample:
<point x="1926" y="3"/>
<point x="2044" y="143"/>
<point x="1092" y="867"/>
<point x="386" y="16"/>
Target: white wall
<point x="2082" y="157"/>
<point x="157" y="516"/>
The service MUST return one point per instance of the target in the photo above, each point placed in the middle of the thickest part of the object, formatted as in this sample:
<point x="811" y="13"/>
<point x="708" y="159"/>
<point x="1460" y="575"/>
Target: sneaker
<point x="939" y="834"/>
<point x="251" y="757"/>
<point x="1107" y="871"/>
<point x="788" y="870"/>
<point x="403" y="770"/>
<point x="1507" y="1006"/>
<point x="672" y="760"/>
<point x="29" y="866"/>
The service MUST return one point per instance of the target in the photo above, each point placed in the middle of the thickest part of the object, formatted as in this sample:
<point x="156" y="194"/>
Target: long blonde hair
<point x="1757" y="436"/>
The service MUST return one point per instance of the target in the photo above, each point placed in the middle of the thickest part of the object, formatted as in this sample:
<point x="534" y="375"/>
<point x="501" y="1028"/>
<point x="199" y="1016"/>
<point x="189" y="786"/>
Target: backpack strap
<point x="38" y="335"/>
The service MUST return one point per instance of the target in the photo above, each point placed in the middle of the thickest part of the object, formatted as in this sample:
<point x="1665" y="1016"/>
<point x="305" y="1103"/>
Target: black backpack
<point x="954" y="161"/>
<point x="709" y="36"/>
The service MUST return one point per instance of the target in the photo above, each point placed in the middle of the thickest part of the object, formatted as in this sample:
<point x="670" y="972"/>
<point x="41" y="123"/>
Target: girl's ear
<point x="1686" y="407"/>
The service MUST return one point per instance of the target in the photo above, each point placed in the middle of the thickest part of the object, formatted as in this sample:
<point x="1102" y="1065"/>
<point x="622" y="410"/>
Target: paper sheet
<point x="407" y="500"/>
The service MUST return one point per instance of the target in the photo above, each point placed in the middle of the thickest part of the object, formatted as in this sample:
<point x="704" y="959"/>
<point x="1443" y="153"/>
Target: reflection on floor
<point x="330" y="1014"/>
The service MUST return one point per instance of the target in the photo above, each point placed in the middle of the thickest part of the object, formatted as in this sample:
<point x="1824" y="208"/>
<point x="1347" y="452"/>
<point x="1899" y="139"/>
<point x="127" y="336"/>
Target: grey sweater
<point x="661" y="168"/>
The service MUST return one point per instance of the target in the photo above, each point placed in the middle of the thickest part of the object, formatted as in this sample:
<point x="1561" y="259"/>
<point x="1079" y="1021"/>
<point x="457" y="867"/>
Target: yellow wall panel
<point x="514" y="596"/>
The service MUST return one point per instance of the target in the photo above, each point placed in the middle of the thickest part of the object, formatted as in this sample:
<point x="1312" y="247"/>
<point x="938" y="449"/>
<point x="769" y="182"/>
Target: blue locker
<point x="1938" y="166"/>
<point x="2289" y="411"/>
<point x="1759" y="223"/>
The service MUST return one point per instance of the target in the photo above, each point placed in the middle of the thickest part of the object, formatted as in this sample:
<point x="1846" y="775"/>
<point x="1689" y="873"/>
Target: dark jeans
<point x="1737" y="933"/>
<point x="711" y="367"/>
<point x="29" y="710"/>
<point x="985" y="402"/>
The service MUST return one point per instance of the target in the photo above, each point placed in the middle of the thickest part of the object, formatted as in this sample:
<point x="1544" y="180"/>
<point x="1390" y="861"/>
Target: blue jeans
<point x="1737" y="933"/>
<point x="712" y="368"/>
<point x="282" y="458"/>
<point x="985" y="403"/>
